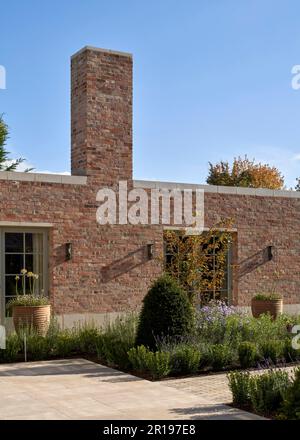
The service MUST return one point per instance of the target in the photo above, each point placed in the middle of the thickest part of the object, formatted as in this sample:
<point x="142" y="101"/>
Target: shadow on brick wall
<point x="251" y="263"/>
<point x="125" y="264"/>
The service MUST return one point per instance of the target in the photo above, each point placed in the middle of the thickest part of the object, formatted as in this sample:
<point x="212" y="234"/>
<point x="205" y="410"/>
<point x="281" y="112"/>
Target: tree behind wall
<point x="6" y="164"/>
<point x="246" y="173"/>
<point x="198" y="262"/>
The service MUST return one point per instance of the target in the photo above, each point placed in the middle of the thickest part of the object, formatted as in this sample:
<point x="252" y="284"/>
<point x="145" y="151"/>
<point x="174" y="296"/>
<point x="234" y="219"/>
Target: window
<point x="21" y="250"/>
<point x="223" y="292"/>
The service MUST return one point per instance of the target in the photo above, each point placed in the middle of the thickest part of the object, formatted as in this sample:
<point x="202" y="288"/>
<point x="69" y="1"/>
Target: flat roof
<point x="41" y="177"/>
<point x="235" y="190"/>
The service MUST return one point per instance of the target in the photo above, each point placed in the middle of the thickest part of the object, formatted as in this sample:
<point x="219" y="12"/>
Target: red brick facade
<point x="110" y="269"/>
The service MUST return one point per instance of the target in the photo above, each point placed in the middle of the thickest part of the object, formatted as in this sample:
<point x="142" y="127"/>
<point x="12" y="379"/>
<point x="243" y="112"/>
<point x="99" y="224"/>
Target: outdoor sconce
<point x="68" y="251"/>
<point x="150" y="251"/>
<point x="270" y="250"/>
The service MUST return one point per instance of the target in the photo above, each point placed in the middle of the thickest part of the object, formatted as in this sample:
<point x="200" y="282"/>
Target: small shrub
<point x="272" y="350"/>
<point x="138" y="358"/>
<point x="145" y="361"/>
<point x="239" y="384"/>
<point x="166" y="312"/>
<point x="264" y="393"/>
<point x="65" y="343"/>
<point x="220" y="356"/>
<point x="185" y="359"/>
<point x="116" y="340"/>
<point x="248" y="354"/>
<point x="13" y="348"/>
<point x="267" y="391"/>
<point x="289" y="353"/>
<point x="291" y="404"/>
<point x="88" y="338"/>
<point x="37" y="347"/>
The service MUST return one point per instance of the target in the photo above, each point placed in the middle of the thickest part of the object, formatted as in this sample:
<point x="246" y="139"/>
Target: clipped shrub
<point x="248" y="354"/>
<point x="239" y="384"/>
<point x="166" y="312"/>
<point x="267" y="391"/>
<point x="185" y="359"/>
<point x="116" y="340"/>
<point x="272" y="350"/>
<point x="291" y="404"/>
<point x="220" y="356"/>
<point x="145" y="361"/>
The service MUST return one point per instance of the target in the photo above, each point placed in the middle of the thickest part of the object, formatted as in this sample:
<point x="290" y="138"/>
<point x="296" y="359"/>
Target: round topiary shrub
<point x="166" y="314"/>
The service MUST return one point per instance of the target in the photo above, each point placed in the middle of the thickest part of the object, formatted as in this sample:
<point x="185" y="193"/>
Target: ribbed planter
<point x="35" y="317"/>
<point x="272" y="306"/>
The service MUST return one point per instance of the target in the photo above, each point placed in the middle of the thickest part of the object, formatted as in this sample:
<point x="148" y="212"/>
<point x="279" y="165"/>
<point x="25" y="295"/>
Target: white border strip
<point x="39" y="177"/>
<point x="148" y="184"/>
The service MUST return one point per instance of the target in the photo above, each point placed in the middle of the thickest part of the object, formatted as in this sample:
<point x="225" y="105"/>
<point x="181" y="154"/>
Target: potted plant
<point x="30" y="310"/>
<point x="267" y="303"/>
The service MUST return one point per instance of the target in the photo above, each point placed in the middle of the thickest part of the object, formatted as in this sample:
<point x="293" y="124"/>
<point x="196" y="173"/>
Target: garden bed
<point x="223" y="340"/>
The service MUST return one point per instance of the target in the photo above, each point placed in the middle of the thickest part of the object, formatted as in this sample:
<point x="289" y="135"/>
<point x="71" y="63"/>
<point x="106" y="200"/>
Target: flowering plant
<point x="214" y="319"/>
<point x="23" y="298"/>
<point x="32" y="277"/>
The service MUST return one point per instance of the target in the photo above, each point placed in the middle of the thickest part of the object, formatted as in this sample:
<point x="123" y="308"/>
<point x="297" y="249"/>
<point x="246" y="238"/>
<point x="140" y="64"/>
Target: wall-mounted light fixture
<point x="270" y="250"/>
<point x="150" y="251"/>
<point x="68" y="251"/>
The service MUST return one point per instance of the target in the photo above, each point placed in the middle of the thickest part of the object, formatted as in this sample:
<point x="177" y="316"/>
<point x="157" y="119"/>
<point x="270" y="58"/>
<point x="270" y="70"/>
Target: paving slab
<point x="80" y="389"/>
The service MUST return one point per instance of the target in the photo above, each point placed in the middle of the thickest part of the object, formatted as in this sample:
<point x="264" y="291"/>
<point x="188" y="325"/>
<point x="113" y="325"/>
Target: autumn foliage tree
<point x="246" y="173"/>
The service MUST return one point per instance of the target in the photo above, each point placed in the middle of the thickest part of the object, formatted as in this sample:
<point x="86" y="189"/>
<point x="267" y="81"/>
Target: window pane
<point x="28" y="243"/>
<point x="29" y="262"/>
<point x="14" y="242"/>
<point x="13" y="263"/>
<point x="10" y="286"/>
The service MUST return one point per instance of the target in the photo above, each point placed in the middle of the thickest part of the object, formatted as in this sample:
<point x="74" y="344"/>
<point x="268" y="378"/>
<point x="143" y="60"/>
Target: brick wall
<point x="110" y="270"/>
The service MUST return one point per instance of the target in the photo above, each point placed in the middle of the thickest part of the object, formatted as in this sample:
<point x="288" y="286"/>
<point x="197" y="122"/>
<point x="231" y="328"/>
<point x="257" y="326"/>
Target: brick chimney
<point x="101" y="115"/>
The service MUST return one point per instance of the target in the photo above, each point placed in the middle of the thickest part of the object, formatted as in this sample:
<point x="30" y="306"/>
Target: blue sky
<point x="212" y="80"/>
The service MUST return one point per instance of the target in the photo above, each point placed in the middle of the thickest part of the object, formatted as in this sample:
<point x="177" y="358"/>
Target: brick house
<point x="48" y="222"/>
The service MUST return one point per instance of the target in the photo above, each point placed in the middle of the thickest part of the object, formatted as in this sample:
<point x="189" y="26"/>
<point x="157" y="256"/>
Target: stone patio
<point x="79" y="389"/>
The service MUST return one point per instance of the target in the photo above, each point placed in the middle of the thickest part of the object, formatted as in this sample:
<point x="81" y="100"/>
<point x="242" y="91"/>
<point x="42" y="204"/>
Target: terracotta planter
<point x="36" y="317"/>
<point x="272" y="306"/>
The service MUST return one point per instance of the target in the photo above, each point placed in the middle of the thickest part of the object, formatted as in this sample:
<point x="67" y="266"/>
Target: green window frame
<point x="22" y="248"/>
